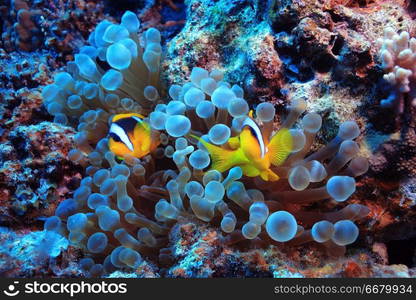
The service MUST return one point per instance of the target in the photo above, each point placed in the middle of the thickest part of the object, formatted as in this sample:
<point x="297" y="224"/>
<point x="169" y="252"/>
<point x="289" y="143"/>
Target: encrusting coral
<point x="29" y="25"/>
<point x="26" y="31"/>
<point x="124" y="210"/>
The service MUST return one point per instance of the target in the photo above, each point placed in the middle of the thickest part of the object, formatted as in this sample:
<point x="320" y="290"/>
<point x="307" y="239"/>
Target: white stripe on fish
<point x="117" y="130"/>
<point x="250" y="123"/>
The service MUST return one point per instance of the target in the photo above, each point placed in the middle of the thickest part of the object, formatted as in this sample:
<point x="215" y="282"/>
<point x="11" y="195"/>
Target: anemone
<point x="123" y="210"/>
<point x="305" y="178"/>
<point x="118" y="72"/>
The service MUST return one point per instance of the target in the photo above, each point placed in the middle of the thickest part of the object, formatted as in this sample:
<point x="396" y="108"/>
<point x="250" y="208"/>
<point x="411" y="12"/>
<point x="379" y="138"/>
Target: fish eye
<point x="115" y="137"/>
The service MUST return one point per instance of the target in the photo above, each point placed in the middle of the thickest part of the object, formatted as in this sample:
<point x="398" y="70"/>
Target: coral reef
<point x="199" y="252"/>
<point x="34" y="254"/>
<point x="22" y="23"/>
<point x="109" y="208"/>
<point x="236" y="37"/>
<point x="67" y="25"/>
<point x="35" y="170"/>
<point x="207" y="138"/>
<point x="62" y="25"/>
<point x="166" y="15"/>
<point x="398" y="60"/>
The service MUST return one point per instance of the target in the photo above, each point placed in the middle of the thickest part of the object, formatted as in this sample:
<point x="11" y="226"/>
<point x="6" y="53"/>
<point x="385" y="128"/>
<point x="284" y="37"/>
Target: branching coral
<point x="124" y="210"/>
<point x="398" y="58"/>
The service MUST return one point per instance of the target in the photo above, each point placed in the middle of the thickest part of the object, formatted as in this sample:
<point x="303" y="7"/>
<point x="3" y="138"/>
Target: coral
<point x="307" y="42"/>
<point x="198" y="251"/>
<point x="21" y="26"/>
<point x="63" y="25"/>
<point x="200" y="74"/>
<point x="393" y="157"/>
<point x="30" y="172"/>
<point x="232" y="36"/>
<point x="35" y="172"/>
<point x="67" y="25"/>
<point x="408" y="190"/>
<point x="115" y="200"/>
<point x="320" y="37"/>
<point x="397" y="54"/>
<point x="24" y="254"/>
<point x="28" y="34"/>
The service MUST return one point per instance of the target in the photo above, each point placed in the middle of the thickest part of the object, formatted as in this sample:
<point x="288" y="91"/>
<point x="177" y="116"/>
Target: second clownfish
<point x="129" y="134"/>
<point x="251" y="151"/>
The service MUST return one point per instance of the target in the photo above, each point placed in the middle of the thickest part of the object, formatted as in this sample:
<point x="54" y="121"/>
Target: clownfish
<point x="129" y="134"/>
<point x="251" y="151"/>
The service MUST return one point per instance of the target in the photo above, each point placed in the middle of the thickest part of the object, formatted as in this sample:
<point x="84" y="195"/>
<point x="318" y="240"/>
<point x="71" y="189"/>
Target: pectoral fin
<point x="269" y="175"/>
<point x="280" y="147"/>
<point x="142" y="136"/>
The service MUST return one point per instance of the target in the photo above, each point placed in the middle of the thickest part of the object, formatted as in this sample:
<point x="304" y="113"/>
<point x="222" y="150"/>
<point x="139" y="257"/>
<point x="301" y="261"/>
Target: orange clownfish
<point x="251" y="151"/>
<point x="129" y="134"/>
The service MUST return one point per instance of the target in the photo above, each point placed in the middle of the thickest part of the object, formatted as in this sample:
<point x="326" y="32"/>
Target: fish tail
<point x="221" y="159"/>
<point x="280" y="146"/>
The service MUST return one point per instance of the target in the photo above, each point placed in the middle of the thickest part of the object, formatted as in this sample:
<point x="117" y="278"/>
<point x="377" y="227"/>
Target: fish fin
<point x="142" y="136"/>
<point x="128" y="115"/>
<point x="234" y="142"/>
<point x="250" y="113"/>
<point x="269" y="175"/>
<point x="147" y="133"/>
<point x="280" y="146"/>
<point x="222" y="159"/>
<point x="118" y="148"/>
<point x="155" y="139"/>
<point x="250" y="170"/>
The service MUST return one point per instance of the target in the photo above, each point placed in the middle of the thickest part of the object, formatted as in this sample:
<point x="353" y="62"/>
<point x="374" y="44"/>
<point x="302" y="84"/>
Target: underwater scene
<point x="207" y="138"/>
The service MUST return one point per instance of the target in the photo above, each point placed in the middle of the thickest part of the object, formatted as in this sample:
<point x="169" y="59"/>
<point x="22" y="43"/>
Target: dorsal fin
<point x="123" y="116"/>
<point x="128" y="124"/>
<point x="280" y="146"/>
